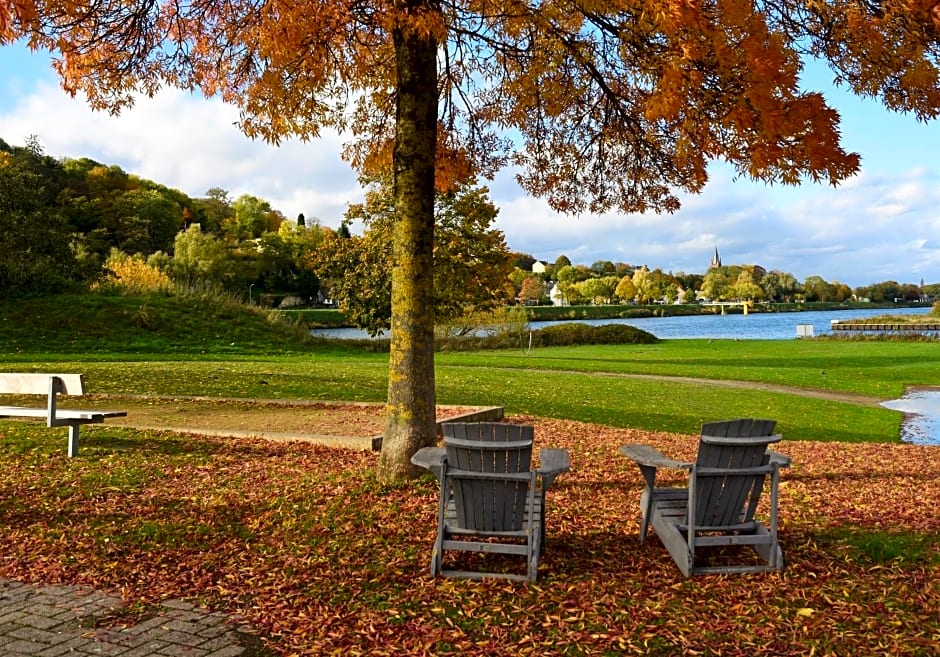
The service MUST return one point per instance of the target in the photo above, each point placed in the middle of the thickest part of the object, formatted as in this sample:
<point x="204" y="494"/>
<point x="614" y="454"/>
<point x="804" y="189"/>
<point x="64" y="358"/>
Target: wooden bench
<point x="51" y="386"/>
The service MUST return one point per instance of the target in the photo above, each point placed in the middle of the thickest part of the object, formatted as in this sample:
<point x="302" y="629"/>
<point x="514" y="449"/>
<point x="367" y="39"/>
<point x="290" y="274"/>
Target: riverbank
<point x="784" y="325"/>
<point x="334" y="318"/>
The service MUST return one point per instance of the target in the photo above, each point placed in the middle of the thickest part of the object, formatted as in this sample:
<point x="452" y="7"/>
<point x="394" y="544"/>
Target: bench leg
<point x="73" y="439"/>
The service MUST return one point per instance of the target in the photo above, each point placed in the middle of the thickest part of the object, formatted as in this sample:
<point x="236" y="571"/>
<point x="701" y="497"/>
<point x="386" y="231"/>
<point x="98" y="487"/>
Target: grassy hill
<point x="95" y="323"/>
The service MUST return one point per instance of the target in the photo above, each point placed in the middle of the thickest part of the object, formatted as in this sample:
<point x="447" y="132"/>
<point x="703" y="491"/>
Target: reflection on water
<point x="921" y="408"/>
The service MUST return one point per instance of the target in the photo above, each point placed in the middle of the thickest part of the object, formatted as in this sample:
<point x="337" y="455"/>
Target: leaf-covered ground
<point x="303" y="542"/>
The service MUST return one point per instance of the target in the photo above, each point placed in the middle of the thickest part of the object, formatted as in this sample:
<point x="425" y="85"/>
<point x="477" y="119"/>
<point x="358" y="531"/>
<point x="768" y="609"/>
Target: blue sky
<point x="884" y="224"/>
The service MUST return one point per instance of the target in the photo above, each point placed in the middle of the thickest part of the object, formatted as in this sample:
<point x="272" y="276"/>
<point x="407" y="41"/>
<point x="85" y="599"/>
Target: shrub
<point x="132" y="276"/>
<point x="570" y="334"/>
<point x="558" y="335"/>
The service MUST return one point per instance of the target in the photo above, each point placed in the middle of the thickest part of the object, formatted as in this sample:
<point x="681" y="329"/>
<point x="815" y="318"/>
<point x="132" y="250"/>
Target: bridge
<point x="724" y="305"/>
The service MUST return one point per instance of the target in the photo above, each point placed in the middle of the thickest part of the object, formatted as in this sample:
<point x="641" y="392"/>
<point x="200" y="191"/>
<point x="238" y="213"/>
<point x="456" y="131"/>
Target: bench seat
<point x="52" y="386"/>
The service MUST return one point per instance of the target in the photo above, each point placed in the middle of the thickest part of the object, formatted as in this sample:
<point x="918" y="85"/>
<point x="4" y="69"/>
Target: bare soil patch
<point x="275" y="417"/>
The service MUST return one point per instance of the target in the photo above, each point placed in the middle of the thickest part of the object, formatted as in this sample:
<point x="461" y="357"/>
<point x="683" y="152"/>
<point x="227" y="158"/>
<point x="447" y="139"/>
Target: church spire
<point x="716" y="259"/>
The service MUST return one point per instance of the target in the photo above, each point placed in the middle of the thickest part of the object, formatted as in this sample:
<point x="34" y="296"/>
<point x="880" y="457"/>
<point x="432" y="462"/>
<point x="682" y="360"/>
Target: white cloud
<point x="192" y="144"/>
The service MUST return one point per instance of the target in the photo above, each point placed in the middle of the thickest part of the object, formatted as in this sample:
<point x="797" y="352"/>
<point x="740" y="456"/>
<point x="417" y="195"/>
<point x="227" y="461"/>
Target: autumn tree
<point x="626" y="290"/>
<point x="471" y="261"/>
<point x="643" y="285"/>
<point x="599" y="104"/>
<point x="717" y="283"/>
<point x="745" y="289"/>
<point x="199" y="259"/>
<point x="532" y="290"/>
<point x="600" y="290"/>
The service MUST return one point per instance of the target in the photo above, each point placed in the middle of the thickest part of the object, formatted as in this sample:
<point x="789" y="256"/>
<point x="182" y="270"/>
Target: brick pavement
<point x="73" y="621"/>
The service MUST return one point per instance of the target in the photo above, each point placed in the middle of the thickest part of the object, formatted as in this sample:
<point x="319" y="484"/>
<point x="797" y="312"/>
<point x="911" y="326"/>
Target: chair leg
<point x="646" y="506"/>
<point x="73" y="439"/>
<point x="435" y="561"/>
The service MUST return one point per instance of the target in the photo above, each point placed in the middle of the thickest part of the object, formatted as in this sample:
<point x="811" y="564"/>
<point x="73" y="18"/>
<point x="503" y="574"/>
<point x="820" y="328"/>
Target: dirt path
<point x="348" y="424"/>
<point x="356" y="425"/>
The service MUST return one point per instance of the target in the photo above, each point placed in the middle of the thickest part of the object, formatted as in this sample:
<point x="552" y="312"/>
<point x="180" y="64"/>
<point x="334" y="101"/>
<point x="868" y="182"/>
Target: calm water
<point x="921" y="409"/>
<point x="756" y="326"/>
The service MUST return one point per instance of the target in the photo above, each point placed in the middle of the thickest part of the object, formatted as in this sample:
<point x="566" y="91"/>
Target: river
<point x="755" y="326"/>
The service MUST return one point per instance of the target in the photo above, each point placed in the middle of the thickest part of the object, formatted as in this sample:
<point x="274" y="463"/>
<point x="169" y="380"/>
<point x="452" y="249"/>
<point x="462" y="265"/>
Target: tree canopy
<point x="598" y="104"/>
<point x="471" y="261"/>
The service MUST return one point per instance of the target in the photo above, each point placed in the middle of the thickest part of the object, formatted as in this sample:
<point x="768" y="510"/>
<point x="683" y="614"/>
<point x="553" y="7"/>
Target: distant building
<point x="716" y="260"/>
<point x="538" y="267"/>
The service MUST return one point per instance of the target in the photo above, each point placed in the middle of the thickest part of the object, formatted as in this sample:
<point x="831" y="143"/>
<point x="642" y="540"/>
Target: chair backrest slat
<point x="727" y="498"/>
<point x="489" y="504"/>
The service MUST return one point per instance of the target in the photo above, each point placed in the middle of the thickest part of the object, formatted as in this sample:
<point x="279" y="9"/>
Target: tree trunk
<point x="410" y="410"/>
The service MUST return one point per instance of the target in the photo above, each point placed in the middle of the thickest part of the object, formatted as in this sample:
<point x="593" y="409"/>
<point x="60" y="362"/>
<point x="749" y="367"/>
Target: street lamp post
<point x="250" y="285"/>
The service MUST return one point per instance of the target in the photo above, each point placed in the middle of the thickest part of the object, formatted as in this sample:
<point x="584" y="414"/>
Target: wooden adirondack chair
<point x="489" y="491"/>
<point x="718" y="506"/>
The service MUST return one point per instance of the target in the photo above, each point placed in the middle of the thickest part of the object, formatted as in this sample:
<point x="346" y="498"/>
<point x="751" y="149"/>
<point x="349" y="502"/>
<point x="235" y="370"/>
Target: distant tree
<point x="671" y="293"/>
<point x="780" y="286"/>
<point x="300" y="220"/>
<point x="356" y="273"/>
<point x="603" y="268"/>
<point x="717" y="284"/>
<point x="841" y="292"/>
<point x="249" y="220"/>
<point x="910" y="292"/>
<point x="572" y="273"/>
<point x="202" y="259"/>
<point x="532" y="290"/>
<point x="931" y="290"/>
<point x="561" y="261"/>
<point x="643" y="285"/>
<point x="284" y="260"/>
<point x="626" y="290"/>
<point x="745" y="289"/>
<point x="599" y="290"/>
<point x="216" y="209"/>
<point x="688" y="295"/>
<point x="815" y="288"/>
<point x="523" y="261"/>
<point x="689" y="281"/>
<point x="885" y="291"/>
<point x="145" y="221"/>
<point x="35" y="257"/>
<point x="471" y="266"/>
<point x="571" y="292"/>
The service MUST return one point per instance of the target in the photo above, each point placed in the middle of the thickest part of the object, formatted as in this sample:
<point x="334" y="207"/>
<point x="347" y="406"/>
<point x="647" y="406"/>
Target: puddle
<point x="921" y="408"/>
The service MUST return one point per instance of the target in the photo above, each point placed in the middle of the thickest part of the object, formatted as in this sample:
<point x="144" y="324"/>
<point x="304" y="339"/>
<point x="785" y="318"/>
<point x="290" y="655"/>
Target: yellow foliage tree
<point x="600" y="104"/>
<point x="132" y="275"/>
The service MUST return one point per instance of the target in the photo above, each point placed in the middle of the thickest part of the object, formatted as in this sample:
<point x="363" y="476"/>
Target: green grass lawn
<point x="189" y="347"/>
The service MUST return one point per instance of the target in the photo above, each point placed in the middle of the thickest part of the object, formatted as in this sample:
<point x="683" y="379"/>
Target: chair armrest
<point x="552" y="462"/>
<point x="779" y="460"/>
<point x="430" y="458"/>
<point x="650" y="457"/>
